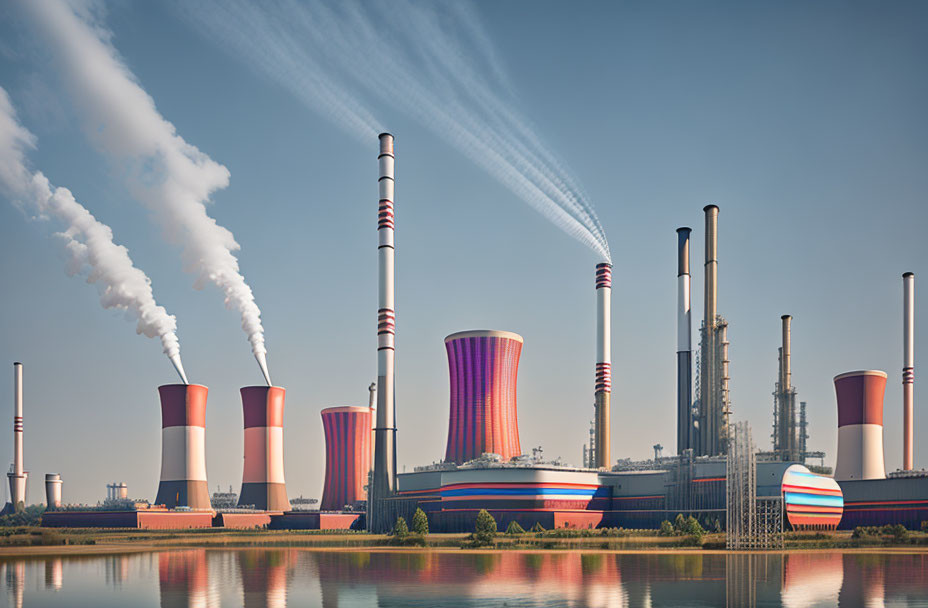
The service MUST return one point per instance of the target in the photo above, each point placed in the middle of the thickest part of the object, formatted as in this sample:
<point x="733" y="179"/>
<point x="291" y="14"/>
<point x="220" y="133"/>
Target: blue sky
<point x="804" y="122"/>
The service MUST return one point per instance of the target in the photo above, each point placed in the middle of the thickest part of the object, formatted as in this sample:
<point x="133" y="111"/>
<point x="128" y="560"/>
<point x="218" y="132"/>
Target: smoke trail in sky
<point x="172" y="177"/>
<point x="88" y="243"/>
<point x="432" y="61"/>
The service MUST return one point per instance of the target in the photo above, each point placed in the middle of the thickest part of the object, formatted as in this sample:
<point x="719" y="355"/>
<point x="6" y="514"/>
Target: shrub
<point x="400" y="529"/>
<point x="925" y="526"/>
<point x="538" y="528"/>
<point x="678" y="523"/>
<point x="899" y="532"/>
<point x="666" y="528"/>
<point x="691" y="527"/>
<point x="420" y="522"/>
<point x="485" y="527"/>
<point x="514" y="528"/>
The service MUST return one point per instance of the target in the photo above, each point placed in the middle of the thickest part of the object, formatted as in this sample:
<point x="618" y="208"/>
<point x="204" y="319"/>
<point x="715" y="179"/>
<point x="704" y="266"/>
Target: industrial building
<point x="483" y="465"/>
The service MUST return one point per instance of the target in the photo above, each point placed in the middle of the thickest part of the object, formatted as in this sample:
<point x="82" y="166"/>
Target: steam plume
<point x="171" y="177"/>
<point x="88" y="243"/>
<point x="432" y="61"/>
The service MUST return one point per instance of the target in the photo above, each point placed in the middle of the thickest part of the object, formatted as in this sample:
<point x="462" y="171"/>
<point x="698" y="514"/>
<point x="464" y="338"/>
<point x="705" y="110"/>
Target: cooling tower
<point x="484" y="369"/>
<point x="860" y="425"/>
<point x="183" y="448"/>
<point x="602" y="386"/>
<point x="17" y="477"/>
<point x="52" y="490"/>
<point x="908" y="371"/>
<point x="263" y="476"/>
<point x="347" y="455"/>
<point x="684" y="344"/>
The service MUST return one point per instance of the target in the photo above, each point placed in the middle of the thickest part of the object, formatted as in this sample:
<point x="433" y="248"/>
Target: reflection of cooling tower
<point x="264" y="577"/>
<point x="53" y="573"/>
<point x="860" y="425"/>
<point x="183" y="578"/>
<point x="183" y="447"/>
<point x="263" y="477"/>
<point x="52" y="490"/>
<point x="347" y="455"/>
<point x="484" y="368"/>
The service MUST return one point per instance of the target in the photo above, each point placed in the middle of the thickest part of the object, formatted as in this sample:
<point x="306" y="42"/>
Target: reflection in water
<point x="276" y="578"/>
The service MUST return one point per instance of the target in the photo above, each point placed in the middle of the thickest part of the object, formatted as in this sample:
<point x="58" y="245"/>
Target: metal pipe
<point x="384" y="482"/>
<point x="684" y="344"/>
<point x="603" y="370"/>
<point x="908" y="371"/>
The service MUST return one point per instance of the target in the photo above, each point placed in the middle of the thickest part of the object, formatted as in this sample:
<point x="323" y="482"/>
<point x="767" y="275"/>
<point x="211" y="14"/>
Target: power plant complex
<point x="484" y="466"/>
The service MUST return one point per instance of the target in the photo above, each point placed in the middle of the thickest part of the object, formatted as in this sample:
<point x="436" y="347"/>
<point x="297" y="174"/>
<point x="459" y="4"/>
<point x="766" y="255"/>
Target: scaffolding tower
<point x="753" y="522"/>
<point x="712" y="385"/>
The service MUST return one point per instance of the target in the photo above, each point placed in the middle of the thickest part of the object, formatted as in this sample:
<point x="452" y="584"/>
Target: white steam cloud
<point x="88" y="243"/>
<point x="432" y="61"/>
<point x="171" y="177"/>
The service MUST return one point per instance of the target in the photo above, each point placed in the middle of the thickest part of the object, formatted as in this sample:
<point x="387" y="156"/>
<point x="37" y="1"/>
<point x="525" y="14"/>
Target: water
<point x="274" y="578"/>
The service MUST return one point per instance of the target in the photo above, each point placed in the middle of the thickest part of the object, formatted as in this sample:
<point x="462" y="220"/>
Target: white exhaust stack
<point x="175" y="361"/>
<point x="908" y="371"/>
<point x="18" y="477"/>
<point x="684" y="344"/>
<point x="603" y="382"/>
<point x="372" y="403"/>
<point x="261" y="358"/>
<point x="384" y="481"/>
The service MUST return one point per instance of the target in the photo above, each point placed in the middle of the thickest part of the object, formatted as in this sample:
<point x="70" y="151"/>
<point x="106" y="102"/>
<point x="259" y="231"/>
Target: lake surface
<point x="275" y="578"/>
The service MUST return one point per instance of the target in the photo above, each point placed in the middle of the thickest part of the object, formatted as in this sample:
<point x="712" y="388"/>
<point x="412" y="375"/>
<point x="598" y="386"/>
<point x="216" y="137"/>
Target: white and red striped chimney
<point x="18" y="477"/>
<point x="603" y="379"/>
<point x="908" y="371"/>
<point x="384" y="478"/>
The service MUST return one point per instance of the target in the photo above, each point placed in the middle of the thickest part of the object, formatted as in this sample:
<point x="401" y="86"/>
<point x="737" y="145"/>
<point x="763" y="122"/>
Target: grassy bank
<point x="16" y="542"/>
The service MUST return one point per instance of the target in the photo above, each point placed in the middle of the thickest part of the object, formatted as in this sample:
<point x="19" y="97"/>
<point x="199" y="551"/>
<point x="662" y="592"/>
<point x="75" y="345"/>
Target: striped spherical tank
<point x="860" y="425"/>
<point x="263" y="475"/>
<point x="347" y="455"/>
<point x="484" y="368"/>
<point x="183" y="447"/>
<point x="813" y="502"/>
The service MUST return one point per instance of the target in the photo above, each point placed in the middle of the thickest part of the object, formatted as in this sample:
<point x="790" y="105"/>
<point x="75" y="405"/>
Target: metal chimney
<point x="603" y="373"/>
<point x="384" y="478"/>
<point x="684" y="344"/>
<point x="709" y="379"/>
<point x="18" y="477"/>
<point x="372" y="404"/>
<point x="908" y="371"/>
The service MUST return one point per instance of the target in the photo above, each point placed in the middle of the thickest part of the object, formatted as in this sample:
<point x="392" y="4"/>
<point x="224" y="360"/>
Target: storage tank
<point x="484" y="367"/>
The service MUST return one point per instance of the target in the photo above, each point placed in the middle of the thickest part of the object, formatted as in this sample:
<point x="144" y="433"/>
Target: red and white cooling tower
<point x="263" y="476"/>
<point x="347" y="455"/>
<point x="52" y="491"/>
<point x="484" y="369"/>
<point x="860" y="425"/>
<point x="183" y="447"/>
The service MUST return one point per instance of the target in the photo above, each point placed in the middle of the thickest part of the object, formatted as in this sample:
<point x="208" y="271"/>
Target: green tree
<point x="692" y="527"/>
<point x="666" y="528"/>
<point x="420" y="522"/>
<point x="514" y="528"/>
<point x="400" y="529"/>
<point x="538" y="528"/>
<point x="484" y="528"/>
<point x="679" y="522"/>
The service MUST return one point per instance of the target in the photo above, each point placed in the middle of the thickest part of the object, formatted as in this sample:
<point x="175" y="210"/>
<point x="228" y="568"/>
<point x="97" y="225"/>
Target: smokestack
<point x="484" y="369"/>
<point x="860" y="425"/>
<point x="602" y="392"/>
<point x="684" y="344"/>
<point x="384" y="479"/>
<point x="347" y="456"/>
<point x="372" y="404"/>
<point x="787" y="413"/>
<point x="263" y="471"/>
<point x="908" y="371"/>
<point x="710" y="382"/>
<point x="52" y="490"/>
<point x="183" y="448"/>
<point x="18" y="477"/>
